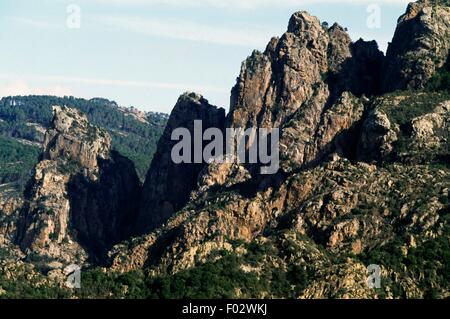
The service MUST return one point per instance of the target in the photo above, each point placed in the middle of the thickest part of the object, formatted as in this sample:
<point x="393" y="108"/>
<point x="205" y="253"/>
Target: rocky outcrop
<point x="168" y="185"/>
<point x="329" y="209"/>
<point x="432" y="130"/>
<point x="274" y="84"/>
<point x="361" y="74"/>
<point x="82" y="197"/>
<point x="408" y="127"/>
<point x="312" y="134"/>
<point x="377" y="137"/>
<point x="298" y="82"/>
<point x="421" y="45"/>
<point x="10" y="205"/>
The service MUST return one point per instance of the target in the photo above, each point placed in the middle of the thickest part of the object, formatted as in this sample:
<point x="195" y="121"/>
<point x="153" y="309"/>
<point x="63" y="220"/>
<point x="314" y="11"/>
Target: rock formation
<point x="10" y="205"/>
<point x="364" y="178"/>
<point x="168" y="185"/>
<point x="298" y="81"/>
<point x="421" y="45"/>
<point x="330" y="207"/>
<point x="82" y="197"/>
<point x="306" y="63"/>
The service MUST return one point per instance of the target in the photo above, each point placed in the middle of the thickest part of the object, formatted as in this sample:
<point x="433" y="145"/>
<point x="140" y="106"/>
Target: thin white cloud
<point x="35" y="23"/>
<point x="188" y="30"/>
<point x="244" y="4"/>
<point x="22" y="87"/>
<point x="20" y="83"/>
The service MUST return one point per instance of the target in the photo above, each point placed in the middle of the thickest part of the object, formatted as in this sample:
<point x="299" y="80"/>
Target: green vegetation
<point x="222" y="276"/>
<point x="29" y="287"/>
<point x="411" y="105"/>
<point x="16" y="161"/>
<point x="428" y="264"/>
<point x="401" y="108"/>
<point x="441" y="80"/>
<point x="27" y="117"/>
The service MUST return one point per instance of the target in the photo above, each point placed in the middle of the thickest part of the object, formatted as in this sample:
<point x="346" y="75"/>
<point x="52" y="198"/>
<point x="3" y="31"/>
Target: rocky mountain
<point x="364" y="175"/>
<point x="364" y="180"/>
<point x="82" y="198"/>
<point x="421" y="45"/>
<point x="308" y="63"/>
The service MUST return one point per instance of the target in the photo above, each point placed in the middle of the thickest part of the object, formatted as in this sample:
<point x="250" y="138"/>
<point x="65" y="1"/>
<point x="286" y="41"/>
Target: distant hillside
<point x="23" y="121"/>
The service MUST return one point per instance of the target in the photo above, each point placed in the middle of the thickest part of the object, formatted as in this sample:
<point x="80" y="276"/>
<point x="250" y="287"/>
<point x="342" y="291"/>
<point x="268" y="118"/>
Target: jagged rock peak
<point x="420" y="47"/>
<point x="71" y="137"/>
<point x="168" y="185"/>
<point x="274" y="85"/>
<point x="302" y="21"/>
<point x="192" y="97"/>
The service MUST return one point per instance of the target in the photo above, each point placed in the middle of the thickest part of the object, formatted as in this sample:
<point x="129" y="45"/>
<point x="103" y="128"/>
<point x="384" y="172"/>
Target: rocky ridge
<point x="354" y="179"/>
<point x="364" y="177"/>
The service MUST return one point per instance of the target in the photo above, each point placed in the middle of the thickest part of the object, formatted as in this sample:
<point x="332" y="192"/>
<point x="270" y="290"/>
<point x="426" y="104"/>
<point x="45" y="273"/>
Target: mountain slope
<point x="363" y="180"/>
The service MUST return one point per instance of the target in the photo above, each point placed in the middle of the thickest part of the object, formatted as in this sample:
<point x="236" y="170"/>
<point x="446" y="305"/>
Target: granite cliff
<point x="364" y="174"/>
<point x="363" y="180"/>
<point x="82" y="197"/>
<point x="168" y="185"/>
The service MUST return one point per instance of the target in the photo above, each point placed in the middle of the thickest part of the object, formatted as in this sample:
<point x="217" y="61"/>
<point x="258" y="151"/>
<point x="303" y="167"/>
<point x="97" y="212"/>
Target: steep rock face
<point x="360" y="74"/>
<point x="82" y="197"/>
<point x="274" y="84"/>
<point x="10" y="205"/>
<point x="294" y="69"/>
<point x="420" y="45"/>
<point x="72" y="138"/>
<point x="44" y="224"/>
<point x="105" y="211"/>
<point x="337" y="129"/>
<point x="339" y="48"/>
<point x="352" y="66"/>
<point x="168" y="185"/>
<point x="298" y="82"/>
<point x="312" y="133"/>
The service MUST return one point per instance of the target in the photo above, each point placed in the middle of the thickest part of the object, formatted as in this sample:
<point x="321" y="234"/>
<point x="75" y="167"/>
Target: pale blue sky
<point x="146" y="53"/>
